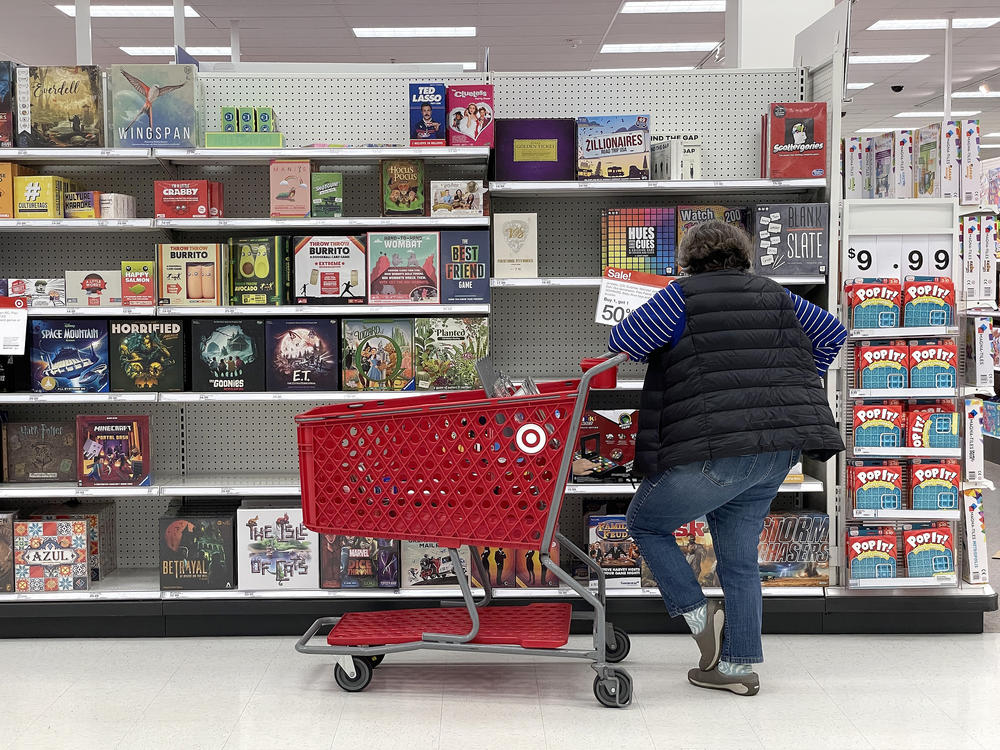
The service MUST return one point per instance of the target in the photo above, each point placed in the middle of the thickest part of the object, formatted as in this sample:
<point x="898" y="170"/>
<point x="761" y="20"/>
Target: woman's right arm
<point x="654" y="325"/>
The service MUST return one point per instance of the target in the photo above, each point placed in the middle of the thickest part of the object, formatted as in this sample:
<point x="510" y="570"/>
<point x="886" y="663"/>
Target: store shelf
<point x="903" y="583"/>
<point x="908" y="452"/>
<point x="78" y="225"/>
<point x="240" y="484"/>
<point x="48" y="490"/>
<point x="809" y="484"/>
<point x="293" y="396"/>
<point x="653" y="187"/>
<point x="328" y="311"/>
<point x="89" y="312"/>
<point x="906" y="333"/>
<point x="217" y="156"/>
<point x="904" y="514"/>
<point x="77" y="398"/>
<point x="591" y="281"/>
<point x="344" y="222"/>
<point x="75" y="156"/>
<point x="901" y="393"/>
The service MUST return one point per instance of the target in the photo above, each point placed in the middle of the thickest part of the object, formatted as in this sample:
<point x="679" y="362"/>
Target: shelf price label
<point x="623" y="291"/>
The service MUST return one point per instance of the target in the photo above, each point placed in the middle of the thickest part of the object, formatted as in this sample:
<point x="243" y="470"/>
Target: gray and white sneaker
<point x="741" y="684"/>
<point x="709" y="640"/>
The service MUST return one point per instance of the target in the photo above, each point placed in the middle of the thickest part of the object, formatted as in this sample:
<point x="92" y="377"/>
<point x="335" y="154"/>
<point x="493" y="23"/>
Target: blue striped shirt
<point x="661" y="321"/>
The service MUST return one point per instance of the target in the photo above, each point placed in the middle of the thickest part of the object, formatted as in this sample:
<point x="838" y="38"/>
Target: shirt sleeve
<point x="823" y="328"/>
<point x="653" y="325"/>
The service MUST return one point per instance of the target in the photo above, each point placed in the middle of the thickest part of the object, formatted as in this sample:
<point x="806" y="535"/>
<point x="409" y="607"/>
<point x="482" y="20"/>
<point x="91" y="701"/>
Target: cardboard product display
<point x="970" y="236"/>
<point x="69" y="356"/>
<point x="227" y="355"/>
<point x="535" y="149"/>
<point x="470" y="115"/>
<point x="39" y="451"/>
<point x="330" y="270"/>
<point x="428" y="109"/>
<point x="59" y="107"/>
<point x="190" y="275"/>
<point x="117" y="206"/>
<point x="613" y="147"/>
<point x="113" y="450"/>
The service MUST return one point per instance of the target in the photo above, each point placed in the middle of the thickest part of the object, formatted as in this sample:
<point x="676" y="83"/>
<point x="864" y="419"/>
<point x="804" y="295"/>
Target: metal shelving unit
<point x="576" y="281"/>
<point x="345" y="222"/>
<point x="241" y="156"/>
<point x="654" y="187"/>
<point x="78" y="225"/>
<point x="74" y="156"/>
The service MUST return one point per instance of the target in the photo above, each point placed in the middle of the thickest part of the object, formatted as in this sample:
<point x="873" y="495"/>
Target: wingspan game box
<point x="153" y="106"/>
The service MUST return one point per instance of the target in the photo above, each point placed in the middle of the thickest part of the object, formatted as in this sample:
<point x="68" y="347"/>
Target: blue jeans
<point x="735" y="494"/>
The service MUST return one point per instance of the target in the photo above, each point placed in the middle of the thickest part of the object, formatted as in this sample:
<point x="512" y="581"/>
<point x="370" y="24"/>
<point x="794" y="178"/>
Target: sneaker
<point x="741" y="684"/>
<point x="709" y="640"/>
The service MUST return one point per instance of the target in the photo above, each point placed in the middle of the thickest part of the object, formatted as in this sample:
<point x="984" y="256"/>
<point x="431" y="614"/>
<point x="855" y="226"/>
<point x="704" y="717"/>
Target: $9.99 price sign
<point x="623" y="291"/>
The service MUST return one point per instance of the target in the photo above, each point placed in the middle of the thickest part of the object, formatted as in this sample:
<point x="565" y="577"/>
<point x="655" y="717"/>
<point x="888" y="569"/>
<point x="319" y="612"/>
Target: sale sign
<point x="623" y="291"/>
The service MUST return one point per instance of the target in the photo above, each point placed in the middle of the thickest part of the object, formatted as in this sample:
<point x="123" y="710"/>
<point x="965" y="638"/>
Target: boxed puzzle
<point x="227" y="355"/>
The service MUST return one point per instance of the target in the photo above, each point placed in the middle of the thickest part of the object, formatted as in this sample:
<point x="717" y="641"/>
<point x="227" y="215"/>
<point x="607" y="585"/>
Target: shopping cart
<point x="456" y="469"/>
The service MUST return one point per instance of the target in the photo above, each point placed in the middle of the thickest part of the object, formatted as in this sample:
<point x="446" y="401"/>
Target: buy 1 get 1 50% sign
<point x="623" y="291"/>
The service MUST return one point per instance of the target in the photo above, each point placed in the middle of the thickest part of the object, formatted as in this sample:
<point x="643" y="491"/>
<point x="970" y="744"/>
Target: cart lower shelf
<point x="529" y="626"/>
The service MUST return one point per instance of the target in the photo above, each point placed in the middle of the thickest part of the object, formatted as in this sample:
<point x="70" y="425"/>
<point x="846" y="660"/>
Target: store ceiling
<point x="526" y="35"/>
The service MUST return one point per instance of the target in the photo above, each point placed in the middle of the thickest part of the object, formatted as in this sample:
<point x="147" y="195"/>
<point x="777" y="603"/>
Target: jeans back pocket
<point x="724" y="472"/>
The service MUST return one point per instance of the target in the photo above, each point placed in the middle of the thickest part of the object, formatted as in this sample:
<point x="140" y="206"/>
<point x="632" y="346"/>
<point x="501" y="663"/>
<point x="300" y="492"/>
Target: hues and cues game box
<point x="147" y="354"/>
<point x="113" y="450"/>
<point x="301" y="354"/>
<point x="428" y="114"/>
<point x="69" y="356"/>
<point x="227" y="355"/>
<point x="639" y="239"/>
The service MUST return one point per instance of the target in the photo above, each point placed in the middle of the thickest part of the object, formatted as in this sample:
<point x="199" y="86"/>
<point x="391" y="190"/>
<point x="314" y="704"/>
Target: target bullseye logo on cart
<point x="530" y="438"/>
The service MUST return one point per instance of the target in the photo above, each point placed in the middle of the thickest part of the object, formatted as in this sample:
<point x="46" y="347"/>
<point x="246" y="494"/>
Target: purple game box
<point x="535" y="149"/>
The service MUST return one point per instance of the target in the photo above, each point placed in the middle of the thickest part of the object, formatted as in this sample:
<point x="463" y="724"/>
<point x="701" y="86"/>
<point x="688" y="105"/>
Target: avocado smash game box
<point x="113" y="450"/>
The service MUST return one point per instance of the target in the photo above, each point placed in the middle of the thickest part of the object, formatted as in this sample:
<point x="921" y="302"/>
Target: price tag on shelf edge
<point x="13" y="325"/>
<point x="623" y="291"/>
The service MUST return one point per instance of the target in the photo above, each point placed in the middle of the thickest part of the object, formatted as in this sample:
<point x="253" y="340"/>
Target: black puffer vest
<point x="741" y="380"/>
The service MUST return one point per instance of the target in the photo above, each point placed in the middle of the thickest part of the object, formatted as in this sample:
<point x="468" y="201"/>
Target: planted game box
<point x="403" y="268"/>
<point x="330" y="270"/>
<point x="529" y="571"/>
<point x="797" y="140"/>
<point x="138" y="283"/>
<point x="871" y="551"/>
<point x="196" y="552"/>
<point x="882" y="364"/>
<point x="425" y="564"/>
<point x="153" y="106"/>
<point x="793" y="239"/>
<point x="446" y="352"/>
<point x="50" y="556"/>
<point x="7" y="74"/>
<point x="928" y="301"/>
<point x="930" y="549"/>
<point x="515" y="246"/>
<point x="113" y="450"/>
<point x="60" y="107"/>
<point x="933" y="364"/>
<point x="428" y="114"/>
<point x="301" y="354"/>
<point x="259" y="271"/>
<point x="465" y="267"/>
<point x="874" y="303"/>
<point x="6" y="551"/>
<point x="690" y="216"/>
<point x="612" y="147"/>
<point x="639" y="239"/>
<point x="40" y="292"/>
<point x="879" y="425"/>
<point x="189" y="275"/>
<point x="68" y="356"/>
<point x="102" y="545"/>
<point x="470" y="115"/>
<point x="403" y="187"/>
<point x="377" y="355"/>
<point x="327" y="194"/>
<point x="935" y="484"/>
<point x="455" y="198"/>
<point x="147" y="354"/>
<point x="358" y="562"/>
<point x="94" y="288"/>
<point x="291" y="188"/>
<point x="39" y="451"/>
<point x="611" y="546"/>
<point x="535" y="149"/>
<point x="875" y="485"/>
<point x="794" y="549"/>
<point x="227" y="355"/>
<point x="275" y="550"/>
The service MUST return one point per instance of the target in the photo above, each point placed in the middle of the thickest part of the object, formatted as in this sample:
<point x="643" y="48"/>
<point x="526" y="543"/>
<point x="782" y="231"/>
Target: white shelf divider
<point x="908" y="452"/>
<point x="75" y="156"/>
<point x="78" y="225"/>
<point x="903" y="393"/>
<point x="905" y="514"/>
<point x="908" y="332"/>
<point x="341" y="222"/>
<point x="329" y="311"/>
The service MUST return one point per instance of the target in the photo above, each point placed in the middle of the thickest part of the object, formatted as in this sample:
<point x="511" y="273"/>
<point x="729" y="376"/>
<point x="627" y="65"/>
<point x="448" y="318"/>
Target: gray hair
<point x="715" y="246"/>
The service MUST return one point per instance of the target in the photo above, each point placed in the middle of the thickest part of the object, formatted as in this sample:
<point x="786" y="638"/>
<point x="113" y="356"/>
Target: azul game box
<point x="470" y="115"/>
<point x="301" y="354"/>
<point x="875" y="485"/>
<point x="874" y="303"/>
<point x="615" y="551"/>
<point x="792" y="239"/>
<point x="883" y="364"/>
<point x="933" y="364"/>
<point x="50" y="556"/>
<point x="403" y="268"/>
<point x="935" y="484"/>
<point x="358" y="562"/>
<point x="60" y="107"/>
<point x="189" y="275"/>
<point x="377" y="355"/>
<point x="327" y="194"/>
<point x="455" y="198"/>
<point x="446" y="351"/>
<point x="7" y="74"/>
<point x="330" y="270"/>
<point x="639" y="239"/>
<point x="529" y="572"/>
<point x="39" y="452"/>
<point x="196" y="552"/>
<point x="797" y="140"/>
<point x="879" y="425"/>
<point x="227" y="355"/>
<point x="428" y="114"/>
<point x="94" y="288"/>
<point x="871" y="551"/>
<point x="930" y="549"/>
<point x="690" y="216"/>
<point x="259" y="271"/>
<point x="69" y="356"/>
<point x="928" y="301"/>
<point x="113" y="450"/>
<point x="425" y="564"/>
<point x="612" y="147"/>
<point x="515" y="246"/>
<point x="794" y="549"/>
<point x="40" y="292"/>
<point x="535" y="149"/>
<point x="403" y="187"/>
<point x="6" y="551"/>
<point x="138" y="283"/>
<point x="102" y="549"/>
<point x="153" y="106"/>
<point x="275" y="550"/>
<point x="465" y="267"/>
<point x="147" y="354"/>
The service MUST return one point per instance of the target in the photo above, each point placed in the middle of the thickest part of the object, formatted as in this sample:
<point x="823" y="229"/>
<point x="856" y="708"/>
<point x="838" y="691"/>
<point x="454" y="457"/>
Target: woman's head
<point x="715" y="246"/>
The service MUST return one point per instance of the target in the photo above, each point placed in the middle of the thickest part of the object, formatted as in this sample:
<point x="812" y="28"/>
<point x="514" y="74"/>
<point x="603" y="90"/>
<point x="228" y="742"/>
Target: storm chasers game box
<point x="612" y="147"/>
<point x="39" y="452"/>
<point x="196" y="552"/>
<point x="227" y="355"/>
<point x="358" y="562"/>
<point x="330" y="270"/>
<point x="794" y="549"/>
<point x="377" y="355"/>
<point x="301" y="354"/>
<point x="60" y="107"/>
<point x="69" y="356"/>
<point x="147" y="355"/>
<point x="447" y="349"/>
<point x="113" y="450"/>
<point x="153" y="106"/>
<point x="792" y="239"/>
<point x="465" y="267"/>
<point x="797" y="140"/>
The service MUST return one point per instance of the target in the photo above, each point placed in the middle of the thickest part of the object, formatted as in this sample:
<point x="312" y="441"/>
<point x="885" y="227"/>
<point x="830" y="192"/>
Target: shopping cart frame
<point x="612" y="685"/>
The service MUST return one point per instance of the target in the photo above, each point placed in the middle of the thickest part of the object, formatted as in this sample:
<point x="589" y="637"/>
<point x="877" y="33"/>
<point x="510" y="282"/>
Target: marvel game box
<point x="196" y="552"/>
<point x="147" y="355"/>
<point x="227" y="355"/>
<point x="358" y="562"/>
<point x="39" y="452"/>
<point x="113" y="450"/>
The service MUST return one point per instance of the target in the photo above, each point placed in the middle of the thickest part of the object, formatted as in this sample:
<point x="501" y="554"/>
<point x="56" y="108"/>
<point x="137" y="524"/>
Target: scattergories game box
<point x="147" y="354"/>
<point x="113" y="450"/>
<point x="227" y="355"/>
<point x="797" y="140"/>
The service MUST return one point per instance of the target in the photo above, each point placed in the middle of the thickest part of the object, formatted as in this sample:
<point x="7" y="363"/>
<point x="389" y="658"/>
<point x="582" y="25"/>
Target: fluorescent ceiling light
<point x="885" y="59"/>
<point x="416" y="31"/>
<point x="660" y="47"/>
<point x="859" y="86"/>
<point x="169" y="51"/>
<point x="634" y="70"/>
<point x="911" y="24"/>
<point x="954" y="113"/>
<point x="130" y="11"/>
<point x="695" y="6"/>
<point x="465" y="65"/>
<point x="992" y="135"/>
<point x="976" y="95"/>
<point x="874" y="130"/>
<point x="990" y="145"/>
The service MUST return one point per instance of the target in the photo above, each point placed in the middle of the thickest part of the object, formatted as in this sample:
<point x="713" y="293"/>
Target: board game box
<point x="428" y="114"/>
<point x="190" y="275"/>
<point x="529" y="571"/>
<point x="327" y="194"/>
<point x="153" y="106"/>
<point x="403" y="268"/>
<point x="196" y="552"/>
<point x="874" y="303"/>
<point x="607" y="438"/>
<point x="882" y="364"/>
<point x="879" y="424"/>
<point x="50" y="556"/>
<point x="69" y="356"/>
<point x="291" y="188"/>
<point x="358" y="562"/>
<point x="301" y="354"/>
<point x="695" y="541"/>
<point x="933" y="425"/>
<point x="60" y="107"/>
<point x="928" y="301"/>
<point x="515" y="246"/>
<point x="259" y="271"/>
<point x="446" y="351"/>
<point x="94" y="288"/>
<point x="971" y="180"/>
<point x="871" y="551"/>
<point x="7" y="551"/>
<point x="535" y="149"/>
<point x="457" y="198"/>
<point x="639" y="239"/>
<point x="102" y="549"/>
<point x="928" y="161"/>
<point x="935" y="484"/>
<point x="611" y="546"/>
<point x="8" y="172"/>
<point x="39" y="451"/>
<point x="147" y="354"/>
<point x="425" y="564"/>
<point x="500" y="564"/>
<point x="7" y="112"/>
<point x="377" y="355"/>
<point x="875" y="485"/>
<point x="40" y="292"/>
<point x="138" y="283"/>
<point x="612" y="147"/>
<point x="902" y="159"/>
<point x="792" y="239"/>
<point x="933" y="364"/>
<point x="465" y="267"/>
<point x="794" y="549"/>
<point x="470" y="115"/>
<point x="275" y="550"/>
<point x="930" y="549"/>
<point x="330" y="270"/>
<point x="690" y="216"/>
<point x="113" y="450"/>
<point x="797" y="140"/>
<point x="403" y="187"/>
<point x="227" y="355"/>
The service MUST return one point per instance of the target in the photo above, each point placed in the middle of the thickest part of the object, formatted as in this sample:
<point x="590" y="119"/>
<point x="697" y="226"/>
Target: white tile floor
<point x="840" y="692"/>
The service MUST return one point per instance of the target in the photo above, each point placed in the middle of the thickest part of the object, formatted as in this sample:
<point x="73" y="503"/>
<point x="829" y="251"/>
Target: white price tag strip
<point x="623" y="291"/>
<point x="13" y="330"/>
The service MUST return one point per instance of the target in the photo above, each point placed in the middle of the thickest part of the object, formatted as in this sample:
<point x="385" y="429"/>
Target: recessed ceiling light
<point x="954" y="113"/>
<point x="634" y="70"/>
<point x="859" y="86"/>
<point x="976" y="95"/>
<point x="130" y="11"/>
<point x="659" y="47"/>
<point x="415" y="31"/>
<point x="885" y="59"/>
<point x="911" y="24"/>
<point x="169" y="51"/>
<point x="694" y="6"/>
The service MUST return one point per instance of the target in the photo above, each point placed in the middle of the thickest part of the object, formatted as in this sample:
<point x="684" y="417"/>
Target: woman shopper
<point x="732" y="398"/>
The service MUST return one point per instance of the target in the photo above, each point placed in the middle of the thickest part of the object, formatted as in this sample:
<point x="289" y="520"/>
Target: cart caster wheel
<point x="363" y="675"/>
<point x="375" y="660"/>
<point x="611" y="693"/>
<point x="618" y="652"/>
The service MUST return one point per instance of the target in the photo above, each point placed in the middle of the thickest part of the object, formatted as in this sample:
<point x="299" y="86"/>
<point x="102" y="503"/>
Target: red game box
<point x="875" y="485"/>
<point x="935" y="484"/>
<point x="881" y="365"/>
<point x="928" y="301"/>
<point x="930" y="549"/>
<point x="192" y="199"/>
<point x="874" y="303"/>
<point x="920" y="433"/>
<point x="933" y="364"/>
<point x="871" y="551"/>
<point x="470" y="115"/>
<point x="874" y="423"/>
<point x="797" y="141"/>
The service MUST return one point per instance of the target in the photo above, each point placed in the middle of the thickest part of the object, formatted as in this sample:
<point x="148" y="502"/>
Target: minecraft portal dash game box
<point x="879" y="425"/>
<point x="875" y="485"/>
<point x="871" y="551"/>
<point x="935" y="484"/>
<point x="928" y="301"/>
<point x="874" y="303"/>
<point x="881" y="364"/>
<point x="113" y="450"/>
<point x="930" y="549"/>
<point x="933" y="364"/>
<point x="932" y="425"/>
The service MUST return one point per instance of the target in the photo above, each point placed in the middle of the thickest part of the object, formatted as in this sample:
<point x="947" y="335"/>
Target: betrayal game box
<point x="403" y="268"/>
<point x="535" y="149"/>
<point x="377" y="355"/>
<point x="301" y="354"/>
<point x="69" y="356"/>
<point x="428" y="112"/>
<point x="196" y="553"/>
<point x="153" y="106"/>
<point x="403" y="187"/>
<point x="613" y="147"/>
<point x="275" y="550"/>
<point x="792" y="239"/>
<point x="60" y="107"/>
<point x="446" y="351"/>
<point x="113" y="450"/>
<point x="227" y="355"/>
<point x="259" y="271"/>
<point x="147" y="355"/>
<point x="358" y="562"/>
<point x="465" y="267"/>
<point x="330" y="270"/>
<point x="50" y="556"/>
<point x="39" y="452"/>
<point x="639" y="239"/>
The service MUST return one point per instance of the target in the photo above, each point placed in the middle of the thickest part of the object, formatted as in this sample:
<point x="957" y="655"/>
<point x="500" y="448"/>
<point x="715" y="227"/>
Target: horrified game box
<point x="227" y="355"/>
<point x="39" y="452"/>
<point x="113" y="450"/>
<point x="147" y="355"/>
